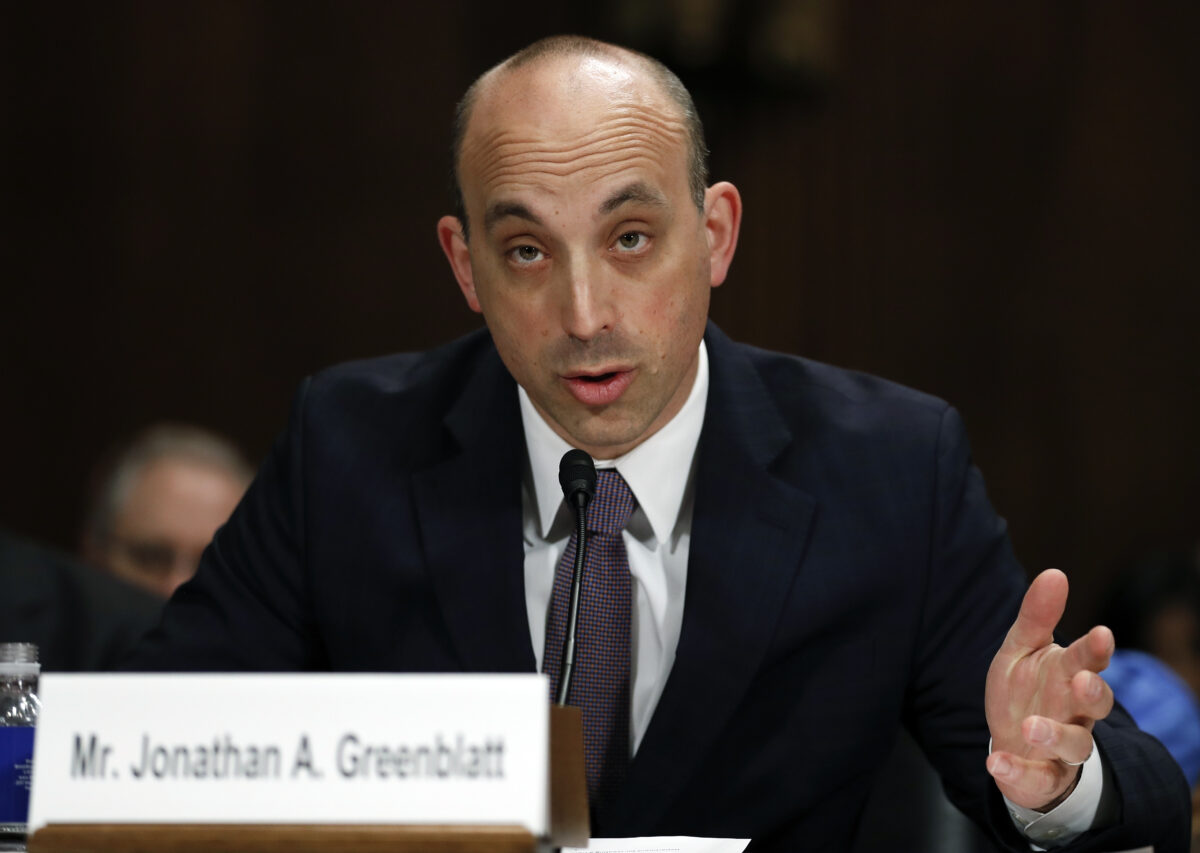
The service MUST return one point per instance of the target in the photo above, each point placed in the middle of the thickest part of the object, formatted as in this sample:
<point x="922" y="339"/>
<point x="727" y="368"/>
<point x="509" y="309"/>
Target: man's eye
<point x="151" y="557"/>
<point x="526" y="254"/>
<point x="631" y="241"/>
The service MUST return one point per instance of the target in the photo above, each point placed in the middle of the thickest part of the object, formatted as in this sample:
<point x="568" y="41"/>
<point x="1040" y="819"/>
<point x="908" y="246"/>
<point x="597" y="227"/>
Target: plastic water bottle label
<point x="16" y="776"/>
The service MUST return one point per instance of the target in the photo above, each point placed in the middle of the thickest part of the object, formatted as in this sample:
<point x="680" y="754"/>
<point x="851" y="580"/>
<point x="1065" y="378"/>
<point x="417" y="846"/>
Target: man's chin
<point x="606" y="441"/>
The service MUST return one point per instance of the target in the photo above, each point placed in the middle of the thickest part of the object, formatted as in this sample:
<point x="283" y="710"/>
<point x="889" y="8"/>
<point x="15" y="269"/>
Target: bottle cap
<point x="19" y="659"/>
<point x="18" y="653"/>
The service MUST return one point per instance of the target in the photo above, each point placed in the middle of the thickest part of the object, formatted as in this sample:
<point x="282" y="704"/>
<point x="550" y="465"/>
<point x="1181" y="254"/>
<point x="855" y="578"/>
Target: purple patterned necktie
<point x="600" y="682"/>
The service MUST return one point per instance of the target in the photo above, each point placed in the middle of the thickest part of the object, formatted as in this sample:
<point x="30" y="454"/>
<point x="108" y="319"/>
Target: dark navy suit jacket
<point x="847" y="575"/>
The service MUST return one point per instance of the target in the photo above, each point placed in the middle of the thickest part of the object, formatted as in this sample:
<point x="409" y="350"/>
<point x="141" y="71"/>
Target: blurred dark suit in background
<point x="80" y="619"/>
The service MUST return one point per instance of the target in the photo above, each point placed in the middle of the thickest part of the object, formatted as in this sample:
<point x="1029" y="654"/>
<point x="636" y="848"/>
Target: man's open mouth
<point x="599" y="377"/>
<point x="599" y="389"/>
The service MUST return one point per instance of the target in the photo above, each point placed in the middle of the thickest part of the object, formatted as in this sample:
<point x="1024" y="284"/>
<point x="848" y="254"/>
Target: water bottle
<point x="19" y="706"/>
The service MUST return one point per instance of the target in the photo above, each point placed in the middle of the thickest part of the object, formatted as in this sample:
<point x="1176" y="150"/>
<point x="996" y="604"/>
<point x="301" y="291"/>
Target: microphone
<point x="577" y="476"/>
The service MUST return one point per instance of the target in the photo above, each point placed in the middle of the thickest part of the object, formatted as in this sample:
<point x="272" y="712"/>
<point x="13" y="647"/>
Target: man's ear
<point x="722" y="219"/>
<point x="458" y="253"/>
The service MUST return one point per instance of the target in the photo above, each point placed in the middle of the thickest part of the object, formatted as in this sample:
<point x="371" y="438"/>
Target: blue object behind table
<point x="1161" y="703"/>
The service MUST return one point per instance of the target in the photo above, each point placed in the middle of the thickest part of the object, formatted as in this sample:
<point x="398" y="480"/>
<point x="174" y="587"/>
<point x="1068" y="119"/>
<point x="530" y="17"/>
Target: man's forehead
<point x="620" y="160"/>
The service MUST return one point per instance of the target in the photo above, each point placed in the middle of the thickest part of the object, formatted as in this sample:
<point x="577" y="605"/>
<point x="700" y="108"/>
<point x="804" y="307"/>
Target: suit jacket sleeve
<point x="972" y="593"/>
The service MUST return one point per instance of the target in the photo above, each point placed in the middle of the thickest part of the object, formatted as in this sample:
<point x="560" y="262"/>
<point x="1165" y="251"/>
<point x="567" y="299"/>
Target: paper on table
<point x="671" y="844"/>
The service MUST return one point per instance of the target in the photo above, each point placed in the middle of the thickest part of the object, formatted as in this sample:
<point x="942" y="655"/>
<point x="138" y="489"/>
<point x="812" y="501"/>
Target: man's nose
<point x="588" y="305"/>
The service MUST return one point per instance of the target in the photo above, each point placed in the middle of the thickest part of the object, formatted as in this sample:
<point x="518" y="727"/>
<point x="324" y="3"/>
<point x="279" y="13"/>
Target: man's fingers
<point x="1031" y="783"/>
<point x="1068" y="743"/>
<point x="1092" y="651"/>
<point x="1041" y="609"/>
<point x="1092" y="696"/>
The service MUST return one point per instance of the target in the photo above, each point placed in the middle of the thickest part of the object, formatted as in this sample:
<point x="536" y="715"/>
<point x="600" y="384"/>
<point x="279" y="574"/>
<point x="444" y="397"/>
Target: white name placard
<point x="344" y="748"/>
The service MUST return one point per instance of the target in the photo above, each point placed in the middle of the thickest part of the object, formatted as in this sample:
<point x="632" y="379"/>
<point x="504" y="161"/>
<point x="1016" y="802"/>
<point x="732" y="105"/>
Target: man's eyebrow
<point x="638" y="191"/>
<point x="503" y="209"/>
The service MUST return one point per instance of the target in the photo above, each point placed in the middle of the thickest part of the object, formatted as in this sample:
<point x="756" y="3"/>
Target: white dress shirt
<point x="657" y="540"/>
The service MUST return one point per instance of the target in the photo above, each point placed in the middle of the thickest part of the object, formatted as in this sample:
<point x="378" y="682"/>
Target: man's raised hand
<point x="1042" y="699"/>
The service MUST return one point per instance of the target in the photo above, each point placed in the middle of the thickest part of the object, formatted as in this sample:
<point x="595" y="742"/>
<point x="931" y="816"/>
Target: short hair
<point x="571" y="45"/>
<point x="115" y="476"/>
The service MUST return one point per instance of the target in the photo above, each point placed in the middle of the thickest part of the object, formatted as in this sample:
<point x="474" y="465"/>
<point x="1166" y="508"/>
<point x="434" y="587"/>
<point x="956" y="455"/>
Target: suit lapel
<point x="748" y="533"/>
<point x="469" y="510"/>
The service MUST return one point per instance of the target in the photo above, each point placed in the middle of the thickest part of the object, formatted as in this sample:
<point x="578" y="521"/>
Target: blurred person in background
<point x="156" y="503"/>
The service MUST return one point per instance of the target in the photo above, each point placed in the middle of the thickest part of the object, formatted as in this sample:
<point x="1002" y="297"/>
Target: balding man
<point x="802" y="559"/>
<point x="156" y="504"/>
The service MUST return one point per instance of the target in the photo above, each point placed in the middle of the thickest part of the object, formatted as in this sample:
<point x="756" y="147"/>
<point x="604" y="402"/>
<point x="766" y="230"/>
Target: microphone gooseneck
<point x="577" y="476"/>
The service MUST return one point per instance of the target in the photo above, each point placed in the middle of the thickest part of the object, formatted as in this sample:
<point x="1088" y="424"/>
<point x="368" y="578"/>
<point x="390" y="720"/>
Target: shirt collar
<point x="656" y="470"/>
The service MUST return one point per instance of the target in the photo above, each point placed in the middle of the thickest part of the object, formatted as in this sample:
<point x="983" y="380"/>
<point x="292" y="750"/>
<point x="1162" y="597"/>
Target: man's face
<point x="173" y="508"/>
<point x="587" y="256"/>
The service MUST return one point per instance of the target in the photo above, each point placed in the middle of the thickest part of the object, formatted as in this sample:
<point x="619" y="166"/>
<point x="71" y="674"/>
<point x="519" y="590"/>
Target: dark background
<point x="996" y="202"/>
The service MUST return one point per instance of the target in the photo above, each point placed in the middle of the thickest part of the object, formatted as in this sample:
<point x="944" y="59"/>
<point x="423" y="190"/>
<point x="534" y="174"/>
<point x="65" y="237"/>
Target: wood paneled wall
<point x="999" y="203"/>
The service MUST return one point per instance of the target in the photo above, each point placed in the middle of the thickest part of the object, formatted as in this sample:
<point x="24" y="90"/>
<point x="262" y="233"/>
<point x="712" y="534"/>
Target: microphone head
<point x="577" y="476"/>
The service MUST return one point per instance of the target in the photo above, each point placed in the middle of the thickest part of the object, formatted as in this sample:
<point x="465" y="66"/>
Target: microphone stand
<point x="577" y="475"/>
<point x="568" y="662"/>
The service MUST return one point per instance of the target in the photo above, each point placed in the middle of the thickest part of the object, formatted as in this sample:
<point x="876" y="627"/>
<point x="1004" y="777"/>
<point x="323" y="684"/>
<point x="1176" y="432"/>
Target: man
<point x="813" y="556"/>
<point x="158" y="503"/>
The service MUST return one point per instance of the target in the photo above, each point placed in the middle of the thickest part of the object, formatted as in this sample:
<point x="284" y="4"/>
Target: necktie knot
<point x="612" y="505"/>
